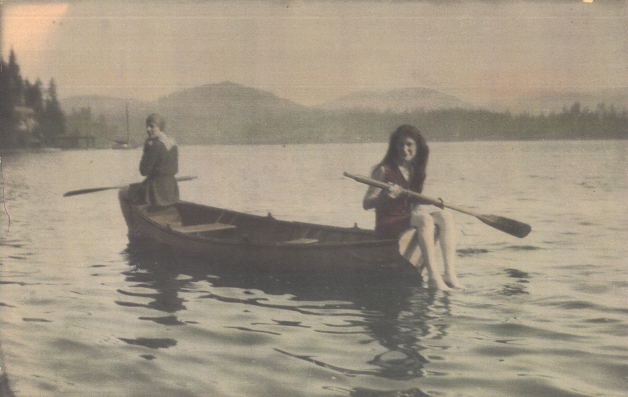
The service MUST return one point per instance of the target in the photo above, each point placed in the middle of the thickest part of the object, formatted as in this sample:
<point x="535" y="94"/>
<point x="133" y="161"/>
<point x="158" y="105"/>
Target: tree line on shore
<point x="359" y="125"/>
<point x="27" y="116"/>
<point x="575" y="122"/>
<point x="31" y="116"/>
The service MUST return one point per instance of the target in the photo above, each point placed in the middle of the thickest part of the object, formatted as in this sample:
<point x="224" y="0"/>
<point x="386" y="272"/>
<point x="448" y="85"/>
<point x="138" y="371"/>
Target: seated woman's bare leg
<point x="448" y="242"/>
<point x="424" y="224"/>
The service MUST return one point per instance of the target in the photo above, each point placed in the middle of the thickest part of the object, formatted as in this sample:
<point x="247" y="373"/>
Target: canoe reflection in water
<point x="379" y="316"/>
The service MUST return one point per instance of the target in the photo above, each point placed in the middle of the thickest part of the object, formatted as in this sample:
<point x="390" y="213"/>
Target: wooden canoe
<point x="234" y="237"/>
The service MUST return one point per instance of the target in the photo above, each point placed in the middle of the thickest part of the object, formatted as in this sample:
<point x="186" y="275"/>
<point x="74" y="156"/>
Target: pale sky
<point x="312" y="52"/>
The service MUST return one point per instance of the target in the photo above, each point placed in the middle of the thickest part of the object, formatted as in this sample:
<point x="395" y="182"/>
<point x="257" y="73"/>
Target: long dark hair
<point x="419" y="162"/>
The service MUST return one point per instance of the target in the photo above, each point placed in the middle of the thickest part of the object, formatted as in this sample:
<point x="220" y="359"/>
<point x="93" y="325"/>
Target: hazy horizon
<point x="315" y="52"/>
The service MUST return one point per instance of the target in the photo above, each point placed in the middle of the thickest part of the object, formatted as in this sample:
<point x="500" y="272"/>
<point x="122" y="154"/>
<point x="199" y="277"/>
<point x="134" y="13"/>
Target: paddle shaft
<point x="100" y="189"/>
<point x="506" y="225"/>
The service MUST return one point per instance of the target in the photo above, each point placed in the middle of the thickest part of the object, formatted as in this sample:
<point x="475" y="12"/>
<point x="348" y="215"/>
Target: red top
<point x="393" y="217"/>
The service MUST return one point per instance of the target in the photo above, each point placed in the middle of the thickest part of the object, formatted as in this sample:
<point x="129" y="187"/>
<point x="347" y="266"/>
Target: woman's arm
<point x="372" y="197"/>
<point x="375" y="196"/>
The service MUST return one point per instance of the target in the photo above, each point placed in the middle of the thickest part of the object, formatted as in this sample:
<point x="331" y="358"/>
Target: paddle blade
<point x="510" y="226"/>
<point x="100" y="189"/>
<point x="85" y="191"/>
<point x="185" y="178"/>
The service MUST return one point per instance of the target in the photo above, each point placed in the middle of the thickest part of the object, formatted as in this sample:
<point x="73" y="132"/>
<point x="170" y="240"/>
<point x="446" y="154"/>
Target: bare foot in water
<point x="453" y="282"/>
<point x="438" y="284"/>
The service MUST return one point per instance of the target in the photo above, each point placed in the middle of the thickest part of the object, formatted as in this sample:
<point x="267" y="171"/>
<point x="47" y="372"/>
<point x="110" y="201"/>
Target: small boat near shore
<point x="228" y="236"/>
<point x="125" y="143"/>
<point x="121" y="144"/>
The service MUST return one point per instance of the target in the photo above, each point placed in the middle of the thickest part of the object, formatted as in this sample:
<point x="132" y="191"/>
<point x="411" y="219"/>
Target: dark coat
<point x="159" y="164"/>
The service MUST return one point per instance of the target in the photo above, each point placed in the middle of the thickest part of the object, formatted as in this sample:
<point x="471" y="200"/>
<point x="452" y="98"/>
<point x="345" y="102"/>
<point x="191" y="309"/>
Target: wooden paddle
<point x="99" y="189"/>
<point x="510" y="226"/>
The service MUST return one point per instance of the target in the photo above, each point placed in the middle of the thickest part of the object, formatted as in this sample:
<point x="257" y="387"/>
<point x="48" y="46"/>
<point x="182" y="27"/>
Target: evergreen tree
<point x="53" y="123"/>
<point x="11" y="95"/>
<point x="6" y="107"/>
<point x="16" y="84"/>
<point x="33" y="98"/>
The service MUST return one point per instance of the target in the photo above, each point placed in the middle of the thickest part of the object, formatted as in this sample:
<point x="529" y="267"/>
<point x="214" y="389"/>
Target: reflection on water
<point x="517" y="287"/>
<point x="391" y="310"/>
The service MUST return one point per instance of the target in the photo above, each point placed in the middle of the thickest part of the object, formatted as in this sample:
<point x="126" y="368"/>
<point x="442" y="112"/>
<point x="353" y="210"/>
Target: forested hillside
<point x="228" y="113"/>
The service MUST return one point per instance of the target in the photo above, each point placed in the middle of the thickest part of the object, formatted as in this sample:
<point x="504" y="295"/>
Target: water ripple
<point x="151" y="343"/>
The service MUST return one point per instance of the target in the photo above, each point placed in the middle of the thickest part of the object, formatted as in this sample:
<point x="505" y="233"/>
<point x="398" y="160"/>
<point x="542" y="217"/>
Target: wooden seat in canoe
<point x="164" y="215"/>
<point x="206" y="227"/>
<point x="302" y="241"/>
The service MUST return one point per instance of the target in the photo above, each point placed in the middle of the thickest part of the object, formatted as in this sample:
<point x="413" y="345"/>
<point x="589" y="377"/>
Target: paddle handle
<point x="425" y="199"/>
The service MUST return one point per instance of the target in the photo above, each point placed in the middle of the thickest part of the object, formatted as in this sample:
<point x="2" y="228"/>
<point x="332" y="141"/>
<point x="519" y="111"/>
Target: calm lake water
<point x="84" y="314"/>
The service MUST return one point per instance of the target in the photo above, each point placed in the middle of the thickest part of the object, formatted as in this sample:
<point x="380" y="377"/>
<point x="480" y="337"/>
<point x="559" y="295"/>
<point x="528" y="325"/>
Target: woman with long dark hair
<point x="404" y="168"/>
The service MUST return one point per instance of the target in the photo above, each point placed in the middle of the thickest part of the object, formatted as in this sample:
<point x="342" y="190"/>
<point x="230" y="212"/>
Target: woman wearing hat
<point x="159" y="164"/>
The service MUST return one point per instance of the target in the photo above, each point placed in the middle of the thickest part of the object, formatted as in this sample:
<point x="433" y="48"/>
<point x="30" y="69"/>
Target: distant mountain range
<point x="216" y="113"/>
<point x="397" y="100"/>
<point x="231" y="113"/>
